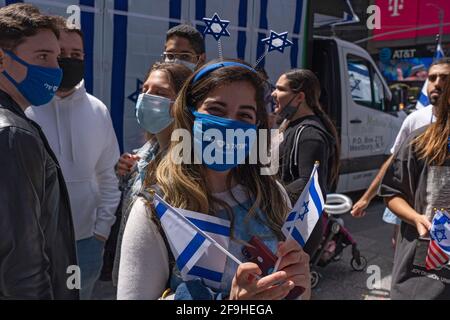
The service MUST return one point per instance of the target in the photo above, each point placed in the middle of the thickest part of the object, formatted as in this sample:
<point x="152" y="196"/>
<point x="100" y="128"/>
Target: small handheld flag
<point x="306" y="212"/>
<point x="439" y="248"/>
<point x="197" y="241"/>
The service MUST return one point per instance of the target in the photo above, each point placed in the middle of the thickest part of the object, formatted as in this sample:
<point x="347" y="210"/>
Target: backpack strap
<point x="294" y="150"/>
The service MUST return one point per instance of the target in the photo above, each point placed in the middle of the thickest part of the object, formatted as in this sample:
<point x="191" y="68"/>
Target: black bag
<point x="111" y="245"/>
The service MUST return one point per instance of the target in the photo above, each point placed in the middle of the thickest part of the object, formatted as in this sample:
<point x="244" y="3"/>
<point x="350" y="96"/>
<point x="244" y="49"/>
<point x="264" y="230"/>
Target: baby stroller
<point x="335" y="238"/>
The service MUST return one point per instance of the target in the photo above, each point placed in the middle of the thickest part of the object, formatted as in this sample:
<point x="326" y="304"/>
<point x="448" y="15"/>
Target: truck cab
<point x="358" y="100"/>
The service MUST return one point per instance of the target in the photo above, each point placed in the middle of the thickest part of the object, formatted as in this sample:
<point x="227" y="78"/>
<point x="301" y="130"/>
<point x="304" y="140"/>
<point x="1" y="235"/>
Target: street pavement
<point x="373" y="236"/>
<point x="338" y="280"/>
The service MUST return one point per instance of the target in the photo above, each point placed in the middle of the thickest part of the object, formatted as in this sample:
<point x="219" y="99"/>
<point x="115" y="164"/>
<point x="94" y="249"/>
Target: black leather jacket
<point x="37" y="242"/>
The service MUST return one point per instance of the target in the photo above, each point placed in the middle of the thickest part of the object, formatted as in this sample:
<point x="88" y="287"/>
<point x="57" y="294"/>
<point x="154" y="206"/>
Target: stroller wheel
<point x="315" y="277"/>
<point x="335" y="227"/>
<point x="359" y="266"/>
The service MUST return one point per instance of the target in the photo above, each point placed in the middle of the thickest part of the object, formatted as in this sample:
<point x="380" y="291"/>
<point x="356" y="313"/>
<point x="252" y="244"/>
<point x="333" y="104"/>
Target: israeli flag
<point x="423" y="100"/>
<point x="306" y="212"/>
<point x="439" y="247"/>
<point x="194" y="240"/>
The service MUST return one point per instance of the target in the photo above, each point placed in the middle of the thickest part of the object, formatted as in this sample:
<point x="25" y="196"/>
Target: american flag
<point x="439" y="248"/>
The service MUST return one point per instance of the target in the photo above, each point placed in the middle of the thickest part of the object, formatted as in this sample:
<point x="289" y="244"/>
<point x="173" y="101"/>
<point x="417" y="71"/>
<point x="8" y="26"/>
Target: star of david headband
<point x="218" y="28"/>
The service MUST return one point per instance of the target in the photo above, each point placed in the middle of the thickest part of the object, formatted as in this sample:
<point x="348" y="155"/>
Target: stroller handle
<point x="338" y="204"/>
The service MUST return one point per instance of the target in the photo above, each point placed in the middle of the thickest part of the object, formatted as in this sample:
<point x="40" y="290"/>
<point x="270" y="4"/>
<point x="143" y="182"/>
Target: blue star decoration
<point x="216" y="27"/>
<point x="305" y="211"/>
<point x="439" y="235"/>
<point x="277" y="41"/>
<point x="134" y="96"/>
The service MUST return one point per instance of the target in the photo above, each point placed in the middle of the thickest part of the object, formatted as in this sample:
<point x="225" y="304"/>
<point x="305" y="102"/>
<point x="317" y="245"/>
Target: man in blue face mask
<point x="37" y="244"/>
<point x="80" y="132"/>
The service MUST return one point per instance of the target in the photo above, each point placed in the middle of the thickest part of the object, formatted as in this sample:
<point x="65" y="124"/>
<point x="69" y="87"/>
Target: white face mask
<point x="185" y="63"/>
<point x="153" y="112"/>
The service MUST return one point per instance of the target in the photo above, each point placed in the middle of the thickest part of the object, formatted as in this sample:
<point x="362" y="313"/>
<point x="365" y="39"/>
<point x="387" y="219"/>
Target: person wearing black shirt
<point x="308" y="135"/>
<point x="416" y="185"/>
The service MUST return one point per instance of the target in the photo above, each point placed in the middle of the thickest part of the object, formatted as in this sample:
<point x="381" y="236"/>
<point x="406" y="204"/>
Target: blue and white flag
<point x="306" y="212"/>
<point x="194" y="240"/>
<point x="423" y="100"/>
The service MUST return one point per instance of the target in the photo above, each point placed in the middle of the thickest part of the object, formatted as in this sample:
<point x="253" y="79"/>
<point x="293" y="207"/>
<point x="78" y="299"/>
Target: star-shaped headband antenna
<point x="276" y="41"/>
<point x="217" y="28"/>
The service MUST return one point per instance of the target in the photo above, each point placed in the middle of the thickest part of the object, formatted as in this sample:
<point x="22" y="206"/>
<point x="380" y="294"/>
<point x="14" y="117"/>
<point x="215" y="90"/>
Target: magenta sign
<point x="406" y="19"/>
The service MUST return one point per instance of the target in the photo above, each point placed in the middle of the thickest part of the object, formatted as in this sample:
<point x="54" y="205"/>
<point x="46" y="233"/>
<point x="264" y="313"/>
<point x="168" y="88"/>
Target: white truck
<point x="357" y="98"/>
<point x="123" y="38"/>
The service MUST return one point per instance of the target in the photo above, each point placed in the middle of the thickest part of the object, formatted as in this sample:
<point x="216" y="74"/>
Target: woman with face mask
<point x="416" y="188"/>
<point x="308" y="136"/>
<point x="221" y="97"/>
<point x="154" y="115"/>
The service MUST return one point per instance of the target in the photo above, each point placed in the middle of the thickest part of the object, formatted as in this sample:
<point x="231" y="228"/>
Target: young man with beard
<point x="437" y="75"/>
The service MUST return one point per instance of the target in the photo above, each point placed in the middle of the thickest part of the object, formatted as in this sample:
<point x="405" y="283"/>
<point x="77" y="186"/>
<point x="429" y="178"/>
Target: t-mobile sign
<point x="407" y="15"/>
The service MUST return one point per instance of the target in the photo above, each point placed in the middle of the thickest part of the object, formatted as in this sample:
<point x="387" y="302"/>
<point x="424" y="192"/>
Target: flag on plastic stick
<point x="199" y="242"/>
<point x="306" y="212"/>
<point x="423" y="100"/>
<point x="439" y="248"/>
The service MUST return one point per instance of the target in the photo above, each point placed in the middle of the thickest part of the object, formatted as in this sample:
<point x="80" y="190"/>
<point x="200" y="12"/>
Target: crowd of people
<point x="66" y="191"/>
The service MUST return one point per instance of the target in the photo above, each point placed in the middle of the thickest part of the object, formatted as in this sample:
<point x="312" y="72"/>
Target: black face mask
<point x="73" y="72"/>
<point x="288" y="112"/>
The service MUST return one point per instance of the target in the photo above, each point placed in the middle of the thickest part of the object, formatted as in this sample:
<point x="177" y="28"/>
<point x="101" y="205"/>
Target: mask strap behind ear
<point x="16" y="58"/>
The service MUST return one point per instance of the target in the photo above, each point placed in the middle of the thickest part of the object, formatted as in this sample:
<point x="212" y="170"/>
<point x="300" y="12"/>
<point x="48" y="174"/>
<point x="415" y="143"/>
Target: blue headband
<point x="204" y="71"/>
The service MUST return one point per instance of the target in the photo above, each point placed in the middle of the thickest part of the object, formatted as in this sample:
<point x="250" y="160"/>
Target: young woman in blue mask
<point x="220" y="96"/>
<point x="159" y="91"/>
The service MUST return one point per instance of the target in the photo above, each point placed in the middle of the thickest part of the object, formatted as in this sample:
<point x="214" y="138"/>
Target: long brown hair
<point x="184" y="185"/>
<point x="303" y="80"/>
<point x="432" y="144"/>
<point x="177" y="75"/>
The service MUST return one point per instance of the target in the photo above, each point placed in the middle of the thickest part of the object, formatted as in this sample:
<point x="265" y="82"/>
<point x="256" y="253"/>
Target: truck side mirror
<point x="392" y="106"/>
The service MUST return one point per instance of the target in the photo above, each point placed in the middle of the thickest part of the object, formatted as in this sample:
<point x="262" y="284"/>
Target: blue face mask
<point x="153" y="112"/>
<point x="220" y="143"/>
<point x="40" y="83"/>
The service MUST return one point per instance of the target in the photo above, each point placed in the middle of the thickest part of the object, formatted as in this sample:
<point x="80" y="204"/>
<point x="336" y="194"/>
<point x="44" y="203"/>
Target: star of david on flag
<point x="216" y="27"/>
<point x="439" y="248"/>
<point x="423" y="100"/>
<point x="277" y="41"/>
<point x="306" y="212"/>
<point x="194" y="239"/>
